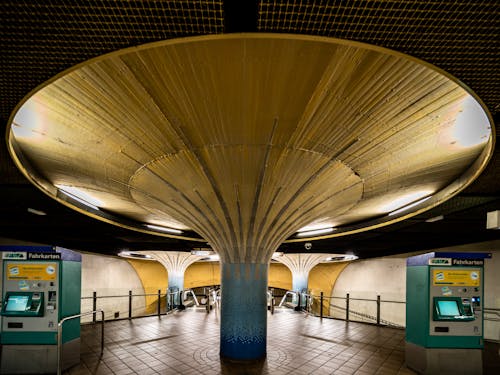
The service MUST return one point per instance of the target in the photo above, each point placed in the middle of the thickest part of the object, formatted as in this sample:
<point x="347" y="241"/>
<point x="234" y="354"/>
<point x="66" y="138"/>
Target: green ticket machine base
<point x="40" y="286"/>
<point x="444" y="313"/>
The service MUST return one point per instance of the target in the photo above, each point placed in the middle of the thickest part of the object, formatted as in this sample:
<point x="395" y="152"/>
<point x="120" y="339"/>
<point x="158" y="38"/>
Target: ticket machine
<point x="40" y="286"/>
<point x="444" y="313"/>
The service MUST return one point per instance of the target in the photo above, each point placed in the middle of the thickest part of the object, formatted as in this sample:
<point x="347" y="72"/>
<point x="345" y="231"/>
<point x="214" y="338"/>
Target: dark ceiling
<point x="39" y="39"/>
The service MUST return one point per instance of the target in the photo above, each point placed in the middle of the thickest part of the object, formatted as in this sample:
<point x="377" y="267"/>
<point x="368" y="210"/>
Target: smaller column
<point x="176" y="263"/>
<point x="300" y="265"/>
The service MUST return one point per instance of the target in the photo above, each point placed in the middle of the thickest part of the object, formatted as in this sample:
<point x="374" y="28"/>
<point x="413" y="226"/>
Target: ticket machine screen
<point x="448" y="308"/>
<point x="17" y="303"/>
<point x="452" y="308"/>
<point x="23" y="304"/>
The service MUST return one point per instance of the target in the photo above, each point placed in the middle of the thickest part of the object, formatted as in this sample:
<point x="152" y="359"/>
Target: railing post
<point x="347" y="307"/>
<point x="208" y="301"/>
<point x="378" y="310"/>
<point x="94" y="305"/>
<point x="159" y="302"/>
<point x="102" y="332"/>
<point x="298" y="307"/>
<point x="321" y="305"/>
<point x="181" y="302"/>
<point x="130" y="304"/>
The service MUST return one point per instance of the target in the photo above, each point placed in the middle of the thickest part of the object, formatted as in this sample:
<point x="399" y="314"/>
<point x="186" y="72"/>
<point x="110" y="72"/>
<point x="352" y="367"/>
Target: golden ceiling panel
<point x="246" y="138"/>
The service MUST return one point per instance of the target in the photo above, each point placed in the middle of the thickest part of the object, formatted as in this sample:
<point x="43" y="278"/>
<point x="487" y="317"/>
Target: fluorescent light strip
<point x="434" y="219"/>
<point x="36" y="212"/>
<point x="404" y="208"/>
<point x="310" y="233"/>
<point x="164" y="229"/>
<point x="128" y="254"/>
<point x="78" y="199"/>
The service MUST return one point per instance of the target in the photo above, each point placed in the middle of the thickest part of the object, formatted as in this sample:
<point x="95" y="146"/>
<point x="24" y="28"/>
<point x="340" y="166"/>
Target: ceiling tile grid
<point x="461" y="37"/>
<point x="41" y="38"/>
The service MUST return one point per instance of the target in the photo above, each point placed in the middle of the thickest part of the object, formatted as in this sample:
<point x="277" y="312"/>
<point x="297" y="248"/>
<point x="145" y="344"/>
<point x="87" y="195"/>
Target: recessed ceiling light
<point x="310" y="233"/>
<point x="434" y="219"/>
<point x="202" y="253"/>
<point x="36" y="212"/>
<point x="129" y="254"/>
<point x="164" y="229"/>
<point x="408" y="206"/>
<point x="80" y="196"/>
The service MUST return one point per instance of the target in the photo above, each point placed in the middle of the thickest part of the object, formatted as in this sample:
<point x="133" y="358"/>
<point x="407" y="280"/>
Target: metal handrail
<point x="122" y="296"/>
<point x="291" y="292"/>
<point x="59" y="335"/>
<point x="492" y="312"/>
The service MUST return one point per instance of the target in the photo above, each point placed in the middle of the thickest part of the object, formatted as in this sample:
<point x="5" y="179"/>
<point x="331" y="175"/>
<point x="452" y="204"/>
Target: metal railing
<point x="492" y="311"/>
<point x="167" y="300"/>
<point x="315" y="305"/>
<point x="374" y="310"/>
<point x="60" y="330"/>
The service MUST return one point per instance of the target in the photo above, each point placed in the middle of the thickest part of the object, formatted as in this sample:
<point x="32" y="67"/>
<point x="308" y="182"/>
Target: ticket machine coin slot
<point x="441" y="329"/>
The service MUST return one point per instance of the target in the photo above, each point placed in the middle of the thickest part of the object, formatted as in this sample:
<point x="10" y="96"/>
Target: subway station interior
<point x="250" y="187"/>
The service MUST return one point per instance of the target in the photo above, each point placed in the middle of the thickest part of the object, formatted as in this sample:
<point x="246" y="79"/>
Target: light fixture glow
<point x="80" y="196"/>
<point x="128" y="254"/>
<point x="164" y="229"/>
<point x="407" y="207"/>
<point x="30" y="122"/>
<point x="36" y="212"/>
<point x="434" y="219"/>
<point x="202" y="253"/>
<point x="342" y="258"/>
<point x="310" y="233"/>
<point x="472" y="126"/>
<point x="393" y="204"/>
<point x="318" y="224"/>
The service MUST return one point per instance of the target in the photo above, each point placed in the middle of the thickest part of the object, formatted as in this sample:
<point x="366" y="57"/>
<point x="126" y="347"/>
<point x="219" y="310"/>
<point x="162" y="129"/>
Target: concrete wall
<point x="110" y="276"/>
<point x="154" y="277"/>
<point x="322" y="278"/>
<point x="365" y="279"/>
<point x="279" y="276"/>
<point x="202" y="274"/>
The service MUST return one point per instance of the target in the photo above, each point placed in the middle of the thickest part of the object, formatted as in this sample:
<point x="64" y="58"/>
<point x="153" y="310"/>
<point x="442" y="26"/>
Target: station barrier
<point x="377" y="310"/>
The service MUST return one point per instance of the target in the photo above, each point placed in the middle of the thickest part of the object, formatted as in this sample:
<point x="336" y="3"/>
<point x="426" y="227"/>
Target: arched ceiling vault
<point x="246" y="138"/>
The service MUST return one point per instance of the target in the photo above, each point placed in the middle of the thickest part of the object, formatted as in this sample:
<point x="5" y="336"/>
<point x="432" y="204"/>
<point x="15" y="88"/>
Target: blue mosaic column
<point x="176" y="283"/>
<point x="243" y="327"/>
<point x="299" y="283"/>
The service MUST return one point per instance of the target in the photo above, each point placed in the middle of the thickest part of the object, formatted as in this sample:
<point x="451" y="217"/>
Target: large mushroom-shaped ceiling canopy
<point x="244" y="139"/>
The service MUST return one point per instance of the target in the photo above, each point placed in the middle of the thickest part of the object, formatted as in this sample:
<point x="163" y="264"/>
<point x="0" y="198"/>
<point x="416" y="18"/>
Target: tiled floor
<point x="188" y="343"/>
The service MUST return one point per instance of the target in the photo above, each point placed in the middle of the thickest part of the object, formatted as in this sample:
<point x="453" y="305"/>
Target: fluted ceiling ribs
<point x="247" y="138"/>
<point x="302" y="263"/>
<point x="175" y="262"/>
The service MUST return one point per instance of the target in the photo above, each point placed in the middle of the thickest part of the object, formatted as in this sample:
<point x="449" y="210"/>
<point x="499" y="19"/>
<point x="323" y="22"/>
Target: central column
<point x="243" y="329"/>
